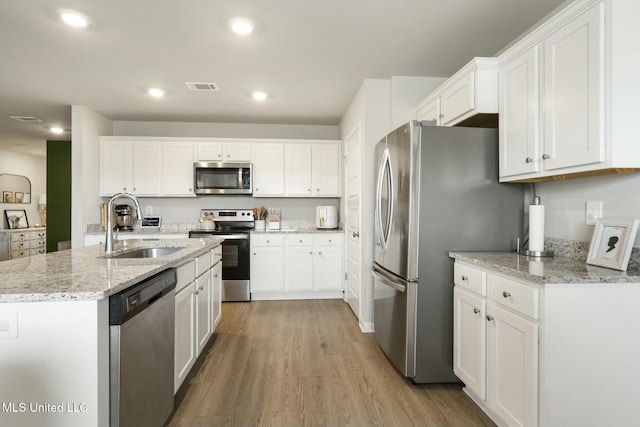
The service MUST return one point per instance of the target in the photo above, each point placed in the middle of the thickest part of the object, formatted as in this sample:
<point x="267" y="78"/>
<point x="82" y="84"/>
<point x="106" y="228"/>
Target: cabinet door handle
<point x="465" y="278"/>
<point x="201" y="288"/>
<point x="476" y="310"/>
<point x="528" y="160"/>
<point x="356" y="234"/>
<point x="310" y="253"/>
<point x="319" y="253"/>
<point x="317" y="189"/>
<point x="546" y="156"/>
<point x="215" y="275"/>
<point x="254" y="253"/>
<point x="441" y="116"/>
<point x="506" y="294"/>
<point x="489" y="318"/>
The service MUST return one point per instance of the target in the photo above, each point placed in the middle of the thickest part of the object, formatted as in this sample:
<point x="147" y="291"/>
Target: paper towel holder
<point x="530" y="253"/>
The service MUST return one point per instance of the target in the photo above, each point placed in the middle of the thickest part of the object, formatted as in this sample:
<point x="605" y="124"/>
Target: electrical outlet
<point x="148" y="210"/>
<point x="592" y="211"/>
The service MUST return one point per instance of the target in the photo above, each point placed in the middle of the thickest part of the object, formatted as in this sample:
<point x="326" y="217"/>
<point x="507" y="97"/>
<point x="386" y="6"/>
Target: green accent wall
<point x="58" y="193"/>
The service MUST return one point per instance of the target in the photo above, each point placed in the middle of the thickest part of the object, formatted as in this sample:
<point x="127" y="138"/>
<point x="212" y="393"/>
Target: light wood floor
<point x="299" y="363"/>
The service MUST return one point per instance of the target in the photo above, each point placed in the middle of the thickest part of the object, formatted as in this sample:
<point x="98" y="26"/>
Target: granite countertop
<point x="85" y="273"/>
<point x="547" y="270"/>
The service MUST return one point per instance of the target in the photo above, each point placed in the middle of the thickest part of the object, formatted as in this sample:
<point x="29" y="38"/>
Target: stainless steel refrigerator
<point x="437" y="191"/>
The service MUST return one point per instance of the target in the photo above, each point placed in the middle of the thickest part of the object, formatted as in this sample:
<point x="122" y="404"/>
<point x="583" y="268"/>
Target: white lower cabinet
<point x="267" y="263"/>
<point x="197" y="309"/>
<point x="297" y="266"/>
<point x="496" y="344"/>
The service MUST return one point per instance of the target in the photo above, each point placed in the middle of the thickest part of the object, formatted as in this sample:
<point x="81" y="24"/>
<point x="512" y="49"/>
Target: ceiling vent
<point x="26" y="119"/>
<point x="207" y="87"/>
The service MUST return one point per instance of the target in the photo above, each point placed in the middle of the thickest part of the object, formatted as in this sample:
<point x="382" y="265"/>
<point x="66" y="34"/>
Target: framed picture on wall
<point x="19" y="197"/>
<point x="16" y="218"/>
<point x="612" y="242"/>
<point x="7" y="197"/>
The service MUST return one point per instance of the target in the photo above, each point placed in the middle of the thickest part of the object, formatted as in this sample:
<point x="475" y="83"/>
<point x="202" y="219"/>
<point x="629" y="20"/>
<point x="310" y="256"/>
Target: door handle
<point x="356" y="234"/>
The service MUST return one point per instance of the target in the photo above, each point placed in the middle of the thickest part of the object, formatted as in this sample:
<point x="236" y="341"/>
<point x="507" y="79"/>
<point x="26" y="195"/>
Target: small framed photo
<point x="16" y="218"/>
<point x="7" y="197"/>
<point x="19" y="197"/>
<point x="612" y="242"/>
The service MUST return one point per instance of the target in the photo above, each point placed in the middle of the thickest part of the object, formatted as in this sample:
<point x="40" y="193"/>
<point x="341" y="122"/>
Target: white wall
<point x="371" y="110"/>
<point x="34" y="168"/>
<point x="86" y="128"/>
<point x="406" y="93"/>
<point x="565" y="203"/>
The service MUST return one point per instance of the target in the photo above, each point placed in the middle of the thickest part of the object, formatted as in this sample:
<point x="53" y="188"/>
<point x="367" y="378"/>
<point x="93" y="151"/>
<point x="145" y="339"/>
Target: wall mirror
<point x="15" y="188"/>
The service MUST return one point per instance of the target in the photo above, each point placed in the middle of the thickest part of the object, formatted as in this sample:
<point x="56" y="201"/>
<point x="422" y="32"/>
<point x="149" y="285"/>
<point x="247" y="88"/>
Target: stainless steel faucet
<point x="108" y="245"/>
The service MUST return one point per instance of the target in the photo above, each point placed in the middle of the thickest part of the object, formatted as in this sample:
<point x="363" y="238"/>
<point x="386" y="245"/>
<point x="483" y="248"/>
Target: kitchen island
<point x="54" y="329"/>
<point x="547" y="341"/>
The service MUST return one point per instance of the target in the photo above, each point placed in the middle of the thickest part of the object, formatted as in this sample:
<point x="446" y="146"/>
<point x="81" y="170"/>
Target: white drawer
<point x="19" y="245"/>
<point x="328" y="239"/>
<point x="470" y="278"/>
<point x="37" y="235"/>
<point x="299" y="239"/>
<point x="515" y="295"/>
<point x="186" y="274"/>
<point x="20" y="236"/>
<point x="203" y="264"/>
<point x="267" y="239"/>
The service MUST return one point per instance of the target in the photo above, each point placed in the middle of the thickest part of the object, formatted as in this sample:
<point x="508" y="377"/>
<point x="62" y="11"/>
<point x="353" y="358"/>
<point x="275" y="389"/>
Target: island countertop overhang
<point x="86" y="274"/>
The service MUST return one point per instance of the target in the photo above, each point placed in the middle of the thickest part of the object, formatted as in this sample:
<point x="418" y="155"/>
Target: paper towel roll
<point x="536" y="228"/>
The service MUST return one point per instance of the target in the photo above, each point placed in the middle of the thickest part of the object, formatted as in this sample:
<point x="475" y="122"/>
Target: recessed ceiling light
<point x="74" y="18"/>
<point x="156" y="92"/>
<point x="56" y="129"/>
<point x="241" y="26"/>
<point x="259" y="95"/>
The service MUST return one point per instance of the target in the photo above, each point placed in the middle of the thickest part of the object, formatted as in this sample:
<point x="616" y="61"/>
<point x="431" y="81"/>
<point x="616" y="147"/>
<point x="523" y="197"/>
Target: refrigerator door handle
<point x="384" y="230"/>
<point x="387" y="281"/>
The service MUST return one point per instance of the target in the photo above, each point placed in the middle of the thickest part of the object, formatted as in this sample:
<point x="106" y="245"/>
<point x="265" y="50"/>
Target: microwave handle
<point x="240" y="178"/>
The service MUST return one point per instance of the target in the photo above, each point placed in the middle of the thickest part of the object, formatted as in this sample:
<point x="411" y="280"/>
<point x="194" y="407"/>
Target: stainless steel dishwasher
<point x="141" y="328"/>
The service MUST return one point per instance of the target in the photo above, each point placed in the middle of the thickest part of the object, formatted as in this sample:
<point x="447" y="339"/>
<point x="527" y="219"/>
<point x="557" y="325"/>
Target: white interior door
<point x="352" y="206"/>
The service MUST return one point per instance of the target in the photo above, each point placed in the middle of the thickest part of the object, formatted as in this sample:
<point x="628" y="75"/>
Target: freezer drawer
<point x="395" y="320"/>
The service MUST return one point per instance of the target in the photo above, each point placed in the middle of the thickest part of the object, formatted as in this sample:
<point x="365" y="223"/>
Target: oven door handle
<point x="233" y="236"/>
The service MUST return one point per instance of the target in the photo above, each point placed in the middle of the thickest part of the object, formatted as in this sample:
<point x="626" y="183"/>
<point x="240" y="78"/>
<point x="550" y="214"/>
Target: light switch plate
<point x="593" y="211"/>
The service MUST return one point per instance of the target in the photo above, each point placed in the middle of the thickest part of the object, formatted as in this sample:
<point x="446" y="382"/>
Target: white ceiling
<point x="310" y="56"/>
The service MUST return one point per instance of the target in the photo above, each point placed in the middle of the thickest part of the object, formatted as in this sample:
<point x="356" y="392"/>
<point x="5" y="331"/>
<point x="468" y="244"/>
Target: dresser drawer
<point x="20" y="236"/>
<point x="299" y="239"/>
<point x="515" y="295"/>
<point x="321" y="239"/>
<point x="470" y="278"/>
<point x="267" y="239"/>
<point x="19" y="245"/>
<point x="216" y="255"/>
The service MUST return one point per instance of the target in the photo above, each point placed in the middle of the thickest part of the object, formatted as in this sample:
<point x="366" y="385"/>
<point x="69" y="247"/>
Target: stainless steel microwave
<point x="222" y="178"/>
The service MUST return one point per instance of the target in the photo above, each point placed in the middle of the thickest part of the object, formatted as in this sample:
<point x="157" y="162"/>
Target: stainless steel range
<point x="234" y="226"/>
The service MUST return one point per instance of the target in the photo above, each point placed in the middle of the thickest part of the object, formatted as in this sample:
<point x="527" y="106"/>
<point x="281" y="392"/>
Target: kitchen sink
<point x="147" y="252"/>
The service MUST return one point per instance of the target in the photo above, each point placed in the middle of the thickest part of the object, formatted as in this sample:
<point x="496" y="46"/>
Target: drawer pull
<point x="546" y="156"/>
<point x="465" y="278"/>
<point x="476" y="310"/>
<point x="528" y="160"/>
<point x="506" y="294"/>
<point x="489" y="318"/>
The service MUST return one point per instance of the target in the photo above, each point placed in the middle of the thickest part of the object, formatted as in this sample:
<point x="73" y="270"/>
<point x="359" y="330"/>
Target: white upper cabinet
<point x="519" y="114"/>
<point x="567" y="103"/>
<point x="146" y="168"/>
<point x="326" y="167"/>
<point x="176" y="165"/>
<point x="471" y="91"/>
<point x="115" y="166"/>
<point x="268" y="170"/>
<point x="312" y="169"/>
<point x="235" y="152"/>
<point x="298" y="169"/>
